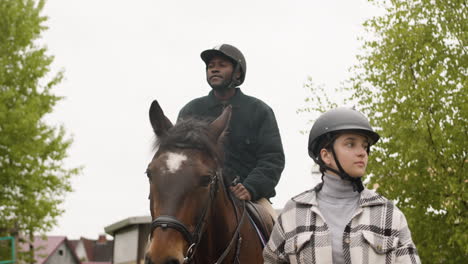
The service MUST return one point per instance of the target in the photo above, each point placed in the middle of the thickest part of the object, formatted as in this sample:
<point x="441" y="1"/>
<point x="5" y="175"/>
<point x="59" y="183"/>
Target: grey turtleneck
<point x="337" y="202"/>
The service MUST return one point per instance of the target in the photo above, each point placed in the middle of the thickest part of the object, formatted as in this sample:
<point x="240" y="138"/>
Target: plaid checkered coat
<point x="377" y="233"/>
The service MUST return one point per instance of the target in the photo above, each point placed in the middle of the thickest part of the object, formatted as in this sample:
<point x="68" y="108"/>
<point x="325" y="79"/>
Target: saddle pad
<point x="256" y="216"/>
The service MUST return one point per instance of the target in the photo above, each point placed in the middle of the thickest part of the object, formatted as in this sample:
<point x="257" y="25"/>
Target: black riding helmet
<point x="232" y="53"/>
<point x="328" y="125"/>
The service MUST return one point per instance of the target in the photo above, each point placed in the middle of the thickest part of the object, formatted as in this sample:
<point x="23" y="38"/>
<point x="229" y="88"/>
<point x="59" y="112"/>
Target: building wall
<point x="126" y="246"/>
<point x="62" y="255"/>
<point x="80" y="251"/>
<point x="143" y="237"/>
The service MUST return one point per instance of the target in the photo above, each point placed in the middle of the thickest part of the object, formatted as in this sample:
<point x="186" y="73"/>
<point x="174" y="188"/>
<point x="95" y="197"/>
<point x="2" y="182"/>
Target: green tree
<point x="33" y="180"/>
<point x="411" y="81"/>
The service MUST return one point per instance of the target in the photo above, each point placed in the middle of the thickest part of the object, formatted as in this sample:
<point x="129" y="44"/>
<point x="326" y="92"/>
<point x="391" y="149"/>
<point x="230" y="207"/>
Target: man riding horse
<point x="253" y="149"/>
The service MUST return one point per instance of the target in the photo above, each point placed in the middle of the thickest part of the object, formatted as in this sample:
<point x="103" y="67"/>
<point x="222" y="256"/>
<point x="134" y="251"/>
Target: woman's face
<point x="351" y="151"/>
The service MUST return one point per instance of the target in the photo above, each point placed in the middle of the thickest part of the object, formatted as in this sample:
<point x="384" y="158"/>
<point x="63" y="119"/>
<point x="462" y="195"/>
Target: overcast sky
<point x="119" y="56"/>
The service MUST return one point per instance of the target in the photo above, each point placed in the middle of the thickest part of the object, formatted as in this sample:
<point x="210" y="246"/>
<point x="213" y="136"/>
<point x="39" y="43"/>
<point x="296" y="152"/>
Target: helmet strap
<point x="320" y="185"/>
<point x="233" y="83"/>
<point x="356" y="182"/>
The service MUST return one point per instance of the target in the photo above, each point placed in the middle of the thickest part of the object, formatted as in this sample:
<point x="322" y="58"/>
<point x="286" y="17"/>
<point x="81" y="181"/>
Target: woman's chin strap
<point x="356" y="182"/>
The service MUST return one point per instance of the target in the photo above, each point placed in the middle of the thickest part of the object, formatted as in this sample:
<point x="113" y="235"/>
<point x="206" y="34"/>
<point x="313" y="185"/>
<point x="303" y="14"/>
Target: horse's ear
<point x="218" y="128"/>
<point x="160" y="123"/>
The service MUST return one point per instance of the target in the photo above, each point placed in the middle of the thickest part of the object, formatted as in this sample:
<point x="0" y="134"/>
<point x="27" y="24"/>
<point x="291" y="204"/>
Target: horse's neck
<point x="221" y="225"/>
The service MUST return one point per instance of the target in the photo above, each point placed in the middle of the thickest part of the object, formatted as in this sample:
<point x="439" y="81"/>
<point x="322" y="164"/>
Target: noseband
<point x="193" y="239"/>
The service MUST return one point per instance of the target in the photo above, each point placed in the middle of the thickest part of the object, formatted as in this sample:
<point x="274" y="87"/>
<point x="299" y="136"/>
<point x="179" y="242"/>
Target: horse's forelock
<point x="190" y="134"/>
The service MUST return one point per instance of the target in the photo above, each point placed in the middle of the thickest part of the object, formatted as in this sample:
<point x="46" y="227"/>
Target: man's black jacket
<point x="253" y="151"/>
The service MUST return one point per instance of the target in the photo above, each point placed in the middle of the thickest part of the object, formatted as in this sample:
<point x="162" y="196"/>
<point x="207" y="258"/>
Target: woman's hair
<point x="325" y="142"/>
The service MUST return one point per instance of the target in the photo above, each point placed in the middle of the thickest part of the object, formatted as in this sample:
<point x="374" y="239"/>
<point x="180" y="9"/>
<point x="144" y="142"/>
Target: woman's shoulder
<point x="372" y="200"/>
<point x="370" y="197"/>
<point x="306" y="197"/>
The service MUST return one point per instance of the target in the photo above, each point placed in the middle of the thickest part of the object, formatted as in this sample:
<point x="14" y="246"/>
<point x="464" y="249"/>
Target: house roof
<point x="98" y="251"/>
<point x="73" y="243"/>
<point x="46" y="247"/>
<point x="103" y="251"/>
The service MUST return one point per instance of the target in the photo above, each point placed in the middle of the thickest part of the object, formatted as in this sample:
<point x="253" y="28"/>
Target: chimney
<point x="102" y="239"/>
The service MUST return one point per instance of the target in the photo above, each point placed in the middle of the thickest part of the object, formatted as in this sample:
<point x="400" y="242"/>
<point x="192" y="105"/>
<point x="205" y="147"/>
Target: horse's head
<point x="184" y="176"/>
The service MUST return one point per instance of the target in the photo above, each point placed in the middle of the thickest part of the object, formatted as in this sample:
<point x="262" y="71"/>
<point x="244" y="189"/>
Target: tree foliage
<point x="33" y="180"/>
<point x="411" y="81"/>
<point x="412" y="84"/>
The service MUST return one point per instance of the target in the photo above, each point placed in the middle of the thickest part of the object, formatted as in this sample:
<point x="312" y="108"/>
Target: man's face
<point x="219" y="72"/>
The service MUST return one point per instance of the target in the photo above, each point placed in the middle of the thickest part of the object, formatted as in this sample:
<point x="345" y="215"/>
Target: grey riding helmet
<point x="232" y="53"/>
<point x="335" y="120"/>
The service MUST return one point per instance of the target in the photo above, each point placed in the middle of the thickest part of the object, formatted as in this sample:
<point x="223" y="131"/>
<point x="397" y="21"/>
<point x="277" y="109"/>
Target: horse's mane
<point x="191" y="133"/>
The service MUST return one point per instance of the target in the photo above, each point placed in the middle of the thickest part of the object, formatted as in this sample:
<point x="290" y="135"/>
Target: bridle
<point x="193" y="238"/>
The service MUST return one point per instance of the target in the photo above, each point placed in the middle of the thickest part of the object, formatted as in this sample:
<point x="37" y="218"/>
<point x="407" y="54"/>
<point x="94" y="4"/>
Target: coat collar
<point x="367" y="198"/>
<point x="235" y="100"/>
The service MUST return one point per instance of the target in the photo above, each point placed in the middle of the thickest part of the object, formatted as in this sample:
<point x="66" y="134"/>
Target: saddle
<point x="261" y="219"/>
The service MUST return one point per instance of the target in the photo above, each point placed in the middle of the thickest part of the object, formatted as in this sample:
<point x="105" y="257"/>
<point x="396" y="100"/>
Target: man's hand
<point x="241" y="192"/>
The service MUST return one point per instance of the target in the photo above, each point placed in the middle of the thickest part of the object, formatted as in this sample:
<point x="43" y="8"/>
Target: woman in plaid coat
<point x="340" y="221"/>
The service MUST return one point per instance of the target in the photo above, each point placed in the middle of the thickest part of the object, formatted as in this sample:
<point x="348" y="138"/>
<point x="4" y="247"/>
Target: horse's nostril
<point x="148" y="260"/>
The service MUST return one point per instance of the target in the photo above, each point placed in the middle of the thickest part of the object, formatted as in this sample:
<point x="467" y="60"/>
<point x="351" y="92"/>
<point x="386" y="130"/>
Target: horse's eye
<point x="148" y="174"/>
<point x="205" y="180"/>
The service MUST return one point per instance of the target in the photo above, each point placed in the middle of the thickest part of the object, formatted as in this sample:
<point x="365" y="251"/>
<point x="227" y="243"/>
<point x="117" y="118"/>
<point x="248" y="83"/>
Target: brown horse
<point x="195" y="217"/>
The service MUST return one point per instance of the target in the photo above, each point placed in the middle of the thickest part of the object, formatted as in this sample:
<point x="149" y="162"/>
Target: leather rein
<point x="193" y="239"/>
